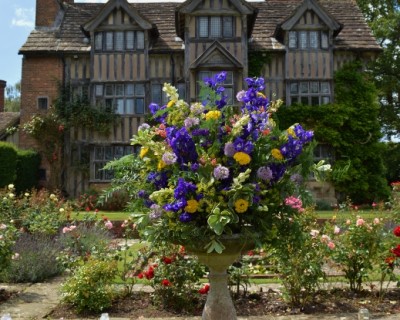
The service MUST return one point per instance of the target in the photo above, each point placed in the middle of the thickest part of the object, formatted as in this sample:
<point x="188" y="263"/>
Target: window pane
<point x="228" y="27"/>
<point x="118" y="152"/>
<point x="129" y="89"/>
<point x="109" y="90"/>
<point x="292" y="39"/>
<point x="324" y="40"/>
<point x="128" y="150"/>
<point x="129" y="106"/>
<point x="139" y="106"/>
<point x="203" y="27"/>
<point x="303" y="87"/>
<point x="98" y="173"/>
<point x="109" y="104"/>
<point x="294" y="88"/>
<point x="303" y="40"/>
<point x="98" y="41"/>
<point x="314" y="87"/>
<point x="99" y="153"/>
<point x="325" y="87"/>
<point x="130" y="43"/>
<point x="181" y="90"/>
<point x="109" y="40"/>
<point x="326" y="100"/>
<point x="139" y="89"/>
<point x="119" y="90"/>
<point x="229" y="93"/>
<point x="99" y="90"/>
<point x="294" y="100"/>
<point x="315" y="101"/>
<point x="120" y="106"/>
<point x="42" y="103"/>
<point x="229" y="78"/>
<point x="119" y="41"/>
<point x="139" y="40"/>
<point x="304" y="100"/>
<point x="156" y="93"/>
<point x="314" y="39"/>
<point x="215" y="30"/>
<point x="108" y="153"/>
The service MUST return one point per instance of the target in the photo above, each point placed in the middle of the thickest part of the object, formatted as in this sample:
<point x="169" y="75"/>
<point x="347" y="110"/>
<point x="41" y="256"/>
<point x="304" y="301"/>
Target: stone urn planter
<point x="219" y="304"/>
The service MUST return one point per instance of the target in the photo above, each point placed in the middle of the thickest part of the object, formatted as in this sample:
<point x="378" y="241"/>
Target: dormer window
<point x="215" y="27"/>
<point x="119" y="40"/>
<point x="304" y="40"/>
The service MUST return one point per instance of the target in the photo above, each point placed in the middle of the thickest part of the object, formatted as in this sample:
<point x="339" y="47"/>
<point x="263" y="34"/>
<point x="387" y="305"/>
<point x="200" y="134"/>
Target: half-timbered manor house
<point x="121" y="52"/>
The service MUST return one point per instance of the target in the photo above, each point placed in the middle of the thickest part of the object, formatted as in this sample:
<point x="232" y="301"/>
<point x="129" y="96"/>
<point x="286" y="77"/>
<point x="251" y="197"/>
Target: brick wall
<point x="40" y="78"/>
<point x="2" y="88"/>
<point x="46" y="12"/>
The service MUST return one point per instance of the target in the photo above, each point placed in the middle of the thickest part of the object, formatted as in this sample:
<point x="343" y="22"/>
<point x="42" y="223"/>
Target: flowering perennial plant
<point x="209" y="169"/>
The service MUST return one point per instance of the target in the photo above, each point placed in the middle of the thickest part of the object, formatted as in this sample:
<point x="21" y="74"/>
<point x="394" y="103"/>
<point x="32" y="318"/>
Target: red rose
<point x="390" y="261"/>
<point x="140" y="275"/>
<point x="396" y="251"/>
<point x="250" y="253"/>
<point x="205" y="289"/>
<point x="149" y="273"/>
<point x="396" y="231"/>
<point x="166" y="283"/>
<point x="167" y="260"/>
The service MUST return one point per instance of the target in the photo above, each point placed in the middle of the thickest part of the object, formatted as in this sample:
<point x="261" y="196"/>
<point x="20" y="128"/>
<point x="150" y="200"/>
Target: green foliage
<point x="35" y="259"/>
<point x="297" y="258"/>
<point x="8" y="235"/>
<point x="392" y="163"/>
<point x="90" y="287"/>
<point x="351" y="128"/>
<point x="257" y="60"/>
<point x="28" y="162"/>
<point x="8" y="156"/>
<point x="12" y="100"/>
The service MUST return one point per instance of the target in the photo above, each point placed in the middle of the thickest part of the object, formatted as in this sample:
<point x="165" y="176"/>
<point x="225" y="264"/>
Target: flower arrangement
<point x="210" y="169"/>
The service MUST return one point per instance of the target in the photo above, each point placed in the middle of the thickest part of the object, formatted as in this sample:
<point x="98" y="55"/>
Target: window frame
<point x="110" y="95"/>
<point x="310" y="92"/>
<point x="321" y="40"/>
<point x="39" y="102"/>
<point x="106" y="41"/>
<point x="226" y="29"/>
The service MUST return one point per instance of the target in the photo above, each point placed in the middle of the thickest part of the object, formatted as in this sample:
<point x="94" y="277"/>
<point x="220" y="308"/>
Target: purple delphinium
<point x="221" y="172"/>
<point x="185" y="217"/>
<point x="183" y="145"/>
<point x="303" y="135"/>
<point x="159" y="179"/>
<point x="183" y="188"/>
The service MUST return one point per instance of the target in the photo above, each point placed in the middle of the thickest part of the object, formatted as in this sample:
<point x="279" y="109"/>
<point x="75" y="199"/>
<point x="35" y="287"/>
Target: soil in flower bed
<point x="253" y="304"/>
<point x="6" y="294"/>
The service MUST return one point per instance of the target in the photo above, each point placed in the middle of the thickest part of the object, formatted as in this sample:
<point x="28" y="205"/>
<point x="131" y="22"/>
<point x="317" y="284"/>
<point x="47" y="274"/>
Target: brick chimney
<point x="2" y="88"/>
<point x="47" y="11"/>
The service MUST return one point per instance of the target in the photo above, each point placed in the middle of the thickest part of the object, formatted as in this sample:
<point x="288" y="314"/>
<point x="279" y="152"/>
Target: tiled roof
<point x="7" y="119"/>
<point x="69" y="37"/>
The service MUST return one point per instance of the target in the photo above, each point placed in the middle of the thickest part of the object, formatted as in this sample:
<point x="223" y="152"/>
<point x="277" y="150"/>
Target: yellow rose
<point x="143" y="151"/>
<point x="213" y="114"/>
<point x="242" y="158"/>
<point x="191" y="206"/>
<point x="241" y="205"/>
<point x="276" y="153"/>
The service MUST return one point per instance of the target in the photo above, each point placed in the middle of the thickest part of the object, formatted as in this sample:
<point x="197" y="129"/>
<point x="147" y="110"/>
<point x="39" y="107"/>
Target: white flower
<point x="61" y="210"/>
<point x="26" y="194"/>
<point x="11" y="195"/>
<point x="11" y="187"/>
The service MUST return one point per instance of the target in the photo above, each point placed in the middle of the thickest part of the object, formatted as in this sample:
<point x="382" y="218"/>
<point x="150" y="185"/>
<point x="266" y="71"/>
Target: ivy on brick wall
<point x="257" y="60"/>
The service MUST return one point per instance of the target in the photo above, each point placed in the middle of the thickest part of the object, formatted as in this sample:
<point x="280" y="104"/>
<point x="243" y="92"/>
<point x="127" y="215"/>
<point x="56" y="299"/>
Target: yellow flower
<point x="241" y="205"/>
<point x="242" y="158"/>
<point x="170" y="104"/>
<point x="191" y="206"/>
<point x="213" y="114"/>
<point x="276" y="153"/>
<point x="259" y="94"/>
<point x="143" y="151"/>
<point x="161" y="165"/>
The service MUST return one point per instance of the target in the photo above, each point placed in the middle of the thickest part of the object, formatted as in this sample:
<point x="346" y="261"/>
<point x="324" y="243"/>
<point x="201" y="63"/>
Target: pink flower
<point x="15" y="256"/>
<point x="314" y="233"/>
<point x="336" y="230"/>
<point x="325" y="238"/>
<point x="108" y="224"/>
<point x="360" y="222"/>
<point x="374" y="204"/>
<point x="3" y="226"/>
<point x="331" y="245"/>
<point x="65" y="230"/>
<point x="377" y="221"/>
<point x="348" y="222"/>
<point x="294" y="203"/>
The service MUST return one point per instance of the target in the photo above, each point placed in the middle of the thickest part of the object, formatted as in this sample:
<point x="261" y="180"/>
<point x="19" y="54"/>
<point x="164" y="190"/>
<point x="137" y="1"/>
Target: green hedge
<point x="8" y="163"/>
<point x="28" y="162"/>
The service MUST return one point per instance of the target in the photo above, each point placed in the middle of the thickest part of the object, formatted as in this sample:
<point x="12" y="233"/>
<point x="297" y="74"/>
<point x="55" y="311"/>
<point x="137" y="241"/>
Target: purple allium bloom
<point x="169" y="158"/>
<point x="143" y="126"/>
<point x="197" y="108"/>
<point x="264" y="173"/>
<point x="296" y="178"/>
<point x="221" y="172"/>
<point x="183" y="188"/>
<point x="185" y="217"/>
<point x="190" y="122"/>
<point x="229" y="149"/>
<point x="156" y="211"/>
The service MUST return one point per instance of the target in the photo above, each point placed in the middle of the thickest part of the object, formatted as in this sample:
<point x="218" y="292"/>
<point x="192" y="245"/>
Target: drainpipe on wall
<point x="2" y="96"/>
